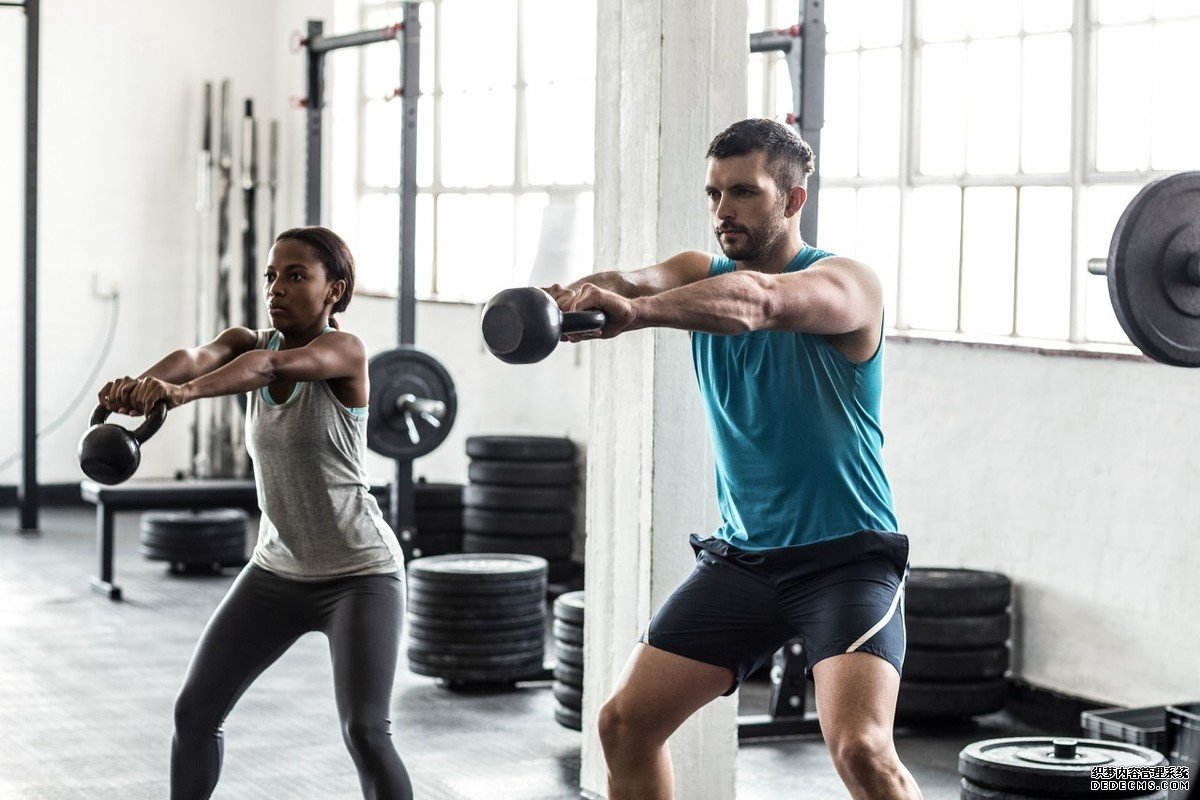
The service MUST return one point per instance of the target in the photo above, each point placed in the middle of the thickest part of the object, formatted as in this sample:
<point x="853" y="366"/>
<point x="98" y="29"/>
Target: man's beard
<point x="757" y="242"/>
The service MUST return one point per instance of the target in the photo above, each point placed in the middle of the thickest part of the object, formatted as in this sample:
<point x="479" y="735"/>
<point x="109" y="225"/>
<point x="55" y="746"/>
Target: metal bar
<point x="320" y="44"/>
<point x="811" y="111"/>
<point x="313" y="103"/>
<point x="103" y="581"/>
<point x="410" y="81"/>
<point x="13" y="5"/>
<point x="249" y="157"/>
<point x="28" y="494"/>
<point x="1081" y="161"/>
<point x="774" y="41"/>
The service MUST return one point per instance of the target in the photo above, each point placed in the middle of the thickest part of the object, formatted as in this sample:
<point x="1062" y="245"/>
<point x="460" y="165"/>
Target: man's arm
<point x="834" y="296"/>
<point x="679" y="270"/>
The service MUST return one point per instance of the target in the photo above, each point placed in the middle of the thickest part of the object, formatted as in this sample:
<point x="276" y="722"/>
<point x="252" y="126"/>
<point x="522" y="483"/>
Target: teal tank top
<point x="795" y="431"/>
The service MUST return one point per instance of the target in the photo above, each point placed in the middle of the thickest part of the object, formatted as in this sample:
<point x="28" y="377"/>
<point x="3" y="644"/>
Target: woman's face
<point x="298" y="291"/>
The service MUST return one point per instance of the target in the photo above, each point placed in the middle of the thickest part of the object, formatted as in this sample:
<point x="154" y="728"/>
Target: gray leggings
<point x="259" y="619"/>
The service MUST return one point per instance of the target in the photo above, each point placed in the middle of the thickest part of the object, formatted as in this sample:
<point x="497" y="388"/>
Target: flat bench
<point x="143" y="495"/>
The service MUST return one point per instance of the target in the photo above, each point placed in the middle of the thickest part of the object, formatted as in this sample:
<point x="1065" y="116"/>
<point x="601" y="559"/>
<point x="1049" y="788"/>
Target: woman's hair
<point x="333" y="253"/>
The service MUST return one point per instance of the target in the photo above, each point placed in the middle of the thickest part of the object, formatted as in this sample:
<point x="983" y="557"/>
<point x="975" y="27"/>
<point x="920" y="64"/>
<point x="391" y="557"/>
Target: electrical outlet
<point x="105" y="285"/>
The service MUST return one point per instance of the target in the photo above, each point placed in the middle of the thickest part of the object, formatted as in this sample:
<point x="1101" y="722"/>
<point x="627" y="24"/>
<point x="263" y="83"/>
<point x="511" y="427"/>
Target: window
<point x="505" y="147"/>
<point x="964" y="162"/>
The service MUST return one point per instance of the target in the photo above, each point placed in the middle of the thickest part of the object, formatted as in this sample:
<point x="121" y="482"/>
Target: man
<point x="787" y="345"/>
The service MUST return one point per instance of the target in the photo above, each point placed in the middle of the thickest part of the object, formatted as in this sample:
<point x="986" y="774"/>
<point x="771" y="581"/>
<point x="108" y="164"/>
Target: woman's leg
<point x="250" y="629"/>
<point x="363" y="620"/>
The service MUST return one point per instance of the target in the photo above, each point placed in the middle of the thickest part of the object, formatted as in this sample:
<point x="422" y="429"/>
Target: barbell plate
<point x="393" y="430"/>
<point x="1154" y="299"/>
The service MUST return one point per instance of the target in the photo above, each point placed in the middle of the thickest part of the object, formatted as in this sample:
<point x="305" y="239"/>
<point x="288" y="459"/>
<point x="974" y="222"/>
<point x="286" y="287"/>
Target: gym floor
<point x="87" y="685"/>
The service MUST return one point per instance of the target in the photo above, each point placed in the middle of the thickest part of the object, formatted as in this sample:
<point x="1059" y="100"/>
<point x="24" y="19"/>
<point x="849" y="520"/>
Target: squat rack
<point x="28" y="495"/>
<point x="408" y="35"/>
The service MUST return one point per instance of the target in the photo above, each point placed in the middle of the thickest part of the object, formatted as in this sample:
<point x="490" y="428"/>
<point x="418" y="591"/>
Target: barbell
<point x="1153" y="270"/>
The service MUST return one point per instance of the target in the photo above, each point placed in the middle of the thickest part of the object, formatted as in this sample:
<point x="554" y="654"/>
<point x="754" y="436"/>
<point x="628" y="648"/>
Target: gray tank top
<point x="319" y="519"/>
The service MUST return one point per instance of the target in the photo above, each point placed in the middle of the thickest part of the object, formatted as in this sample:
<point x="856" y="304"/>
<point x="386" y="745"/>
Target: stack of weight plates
<point x="568" y="665"/>
<point x="439" y="510"/>
<point x="477" y="618"/>
<point x="205" y="540"/>
<point x="1034" y="768"/>
<point x="521" y="499"/>
<point x="958" y="627"/>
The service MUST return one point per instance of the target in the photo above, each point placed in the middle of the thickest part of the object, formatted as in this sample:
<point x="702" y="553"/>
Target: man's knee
<point x="620" y="724"/>
<point x="862" y="755"/>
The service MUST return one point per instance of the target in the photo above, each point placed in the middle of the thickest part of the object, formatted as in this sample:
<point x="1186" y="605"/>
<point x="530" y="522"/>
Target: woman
<point x="325" y="558"/>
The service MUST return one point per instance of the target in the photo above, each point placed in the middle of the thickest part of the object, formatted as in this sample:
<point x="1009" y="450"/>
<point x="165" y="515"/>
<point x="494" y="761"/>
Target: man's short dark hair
<point x="790" y="160"/>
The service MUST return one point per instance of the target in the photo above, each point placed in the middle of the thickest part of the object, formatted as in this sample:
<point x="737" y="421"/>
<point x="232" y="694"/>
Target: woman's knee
<point x="194" y="714"/>
<point x="365" y="736"/>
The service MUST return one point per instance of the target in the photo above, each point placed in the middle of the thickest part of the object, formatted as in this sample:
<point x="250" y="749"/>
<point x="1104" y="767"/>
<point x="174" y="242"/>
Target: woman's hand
<point x="137" y="397"/>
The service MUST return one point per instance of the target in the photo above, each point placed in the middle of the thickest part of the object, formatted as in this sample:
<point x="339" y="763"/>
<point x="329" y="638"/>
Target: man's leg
<point x="856" y="702"/>
<point x="656" y="693"/>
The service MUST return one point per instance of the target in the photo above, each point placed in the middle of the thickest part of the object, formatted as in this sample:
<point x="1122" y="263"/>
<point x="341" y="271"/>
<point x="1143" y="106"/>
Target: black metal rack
<point x="408" y="35"/>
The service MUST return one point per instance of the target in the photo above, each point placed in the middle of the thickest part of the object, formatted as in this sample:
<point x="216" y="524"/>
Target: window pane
<point x="1122" y="107"/>
<point x="560" y="133"/>
<point x="477" y="138"/>
<point x="784" y="13"/>
<point x="377" y="249"/>
<point x="837" y="222"/>
<point x="474" y="245"/>
<point x="784" y="96"/>
<point x="1044" y="263"/>
<point x="560" y="40"/>
<point x="881" y="22"/>
<point x="478" y="44"/>
<point x="992" y="18"/>
<point x="381" y="70"/>
<point x="381" y="144"/>
<point x="757" y="20"/>
<point x="880" y="104"/>
<point x="425" y="154"/>
<point x="878" y="240"/>
<point x="1122" y="10"/>
<point x="424" y="245"/>
<point x="428" y="16"/>
<point x="1104" y="207"/>
<point x="993" y="135"/>
<point x="1046" y="111"/>
<point x="841" y="23"/>
<point x="931" y="254"/>
<point x="755" y="107"/>
<point x="1042" y="16"/>
<point x="554" y="238"/>
<point x="943" y="108"/>
<point x="1176" y="120"/>
<point x="942" y="20"/>
<point x="1165" y="9"/>
<point x="839" y="139"/>
<point x="989" y="246"/>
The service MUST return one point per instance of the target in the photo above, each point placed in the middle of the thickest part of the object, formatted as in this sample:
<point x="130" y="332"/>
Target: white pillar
<point x="670" y="75"/>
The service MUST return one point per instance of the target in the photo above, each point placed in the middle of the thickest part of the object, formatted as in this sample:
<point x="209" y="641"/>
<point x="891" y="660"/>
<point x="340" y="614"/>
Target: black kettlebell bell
<point x="523" y="325"/>
<point x="110" y="454"/>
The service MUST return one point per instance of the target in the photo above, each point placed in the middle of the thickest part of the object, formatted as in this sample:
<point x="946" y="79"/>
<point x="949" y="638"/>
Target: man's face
<point x="745" y="206"/>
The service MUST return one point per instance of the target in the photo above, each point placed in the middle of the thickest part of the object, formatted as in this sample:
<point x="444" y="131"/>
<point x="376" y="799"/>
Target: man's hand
<point x="620" y="314"/>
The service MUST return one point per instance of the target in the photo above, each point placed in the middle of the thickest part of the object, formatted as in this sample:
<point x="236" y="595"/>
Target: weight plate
<point x="565" y="573"/>
<point x="475" y="661"/>
<point x="439" y="520"/>
<point x="957" y="633"/>
<point x="507" y="591"/>
<point x="956" y="665"/>
<point x="464" y="602"/>
<point x="569" y="608"/>
<point x="229" y="555"/>
<point x="504" y="673"/>
<point x="172" y="540"/>
<point x="406" y="433"/>
<point x="1154" y="246"/>
<point x="569" y="674"/>
<point x="433" y="636"/>
<point x="424" y="648"/>
<point x="469" y="568"/>
<point x="522" y="473"/>
<point x="950" y="700"/>
<point x="1031" y="764"/>
<point x="188" y="527"/>
<point x="436" y="495"/>
<point x="568" y="696"/>
<point x="521" y="448"/>
<point x="566" y="632"/>
<point x="568" y="717"/>
<point x="443" y="624"/>
<point x="482" y="613"/>
<point x="516" y="498"/>
<point x="544" y="546"/>
<point x="518" y="523"/>
<point x="956" y="592"/>
<point x="568" y="653"/>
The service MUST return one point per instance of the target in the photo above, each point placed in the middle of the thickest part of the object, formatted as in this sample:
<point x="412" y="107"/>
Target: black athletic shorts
<point x="738" y="607"/>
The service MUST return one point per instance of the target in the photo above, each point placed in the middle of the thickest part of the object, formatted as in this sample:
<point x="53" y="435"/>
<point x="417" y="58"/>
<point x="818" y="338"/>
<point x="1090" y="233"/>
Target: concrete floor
<point x="87" y="685"/>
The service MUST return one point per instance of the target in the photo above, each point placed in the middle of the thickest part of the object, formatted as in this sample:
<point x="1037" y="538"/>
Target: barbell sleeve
<point x="1098" y="266"/>
<point x="421" y="405"/>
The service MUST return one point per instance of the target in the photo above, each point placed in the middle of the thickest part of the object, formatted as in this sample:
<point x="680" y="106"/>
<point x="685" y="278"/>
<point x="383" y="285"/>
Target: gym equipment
<point x="933" y="592"/>
<point x="109" y="453"/>
<point x="412" y="404"/>
<point x="209" y="539"/>
<point x="477" y="618"/>
<point x="956" y="633"/>
<point x="1050" y="767"/>
<point x="568" y="671"/>
<point x="1154" y="270"/>
<point x="519" y="498"/>
<point x="955" y="665"/>
<point x="249" y="185"/>
<point x="522" y="448"/>
<point x="924" y="700"/>
<point x="522" y="473"/>
<point x="787" y="712"/>
<point x="523" y="325"/>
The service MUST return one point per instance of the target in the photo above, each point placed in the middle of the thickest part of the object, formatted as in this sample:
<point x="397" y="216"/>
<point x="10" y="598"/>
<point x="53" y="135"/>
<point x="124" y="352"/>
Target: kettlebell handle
<point x="154" y="421"/>
<point x="582" y="321"/>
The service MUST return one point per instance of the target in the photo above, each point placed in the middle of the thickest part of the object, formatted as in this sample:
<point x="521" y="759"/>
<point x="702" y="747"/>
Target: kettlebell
<point x="110" y="454"/>
<point x="522" y="325"/>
